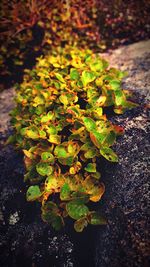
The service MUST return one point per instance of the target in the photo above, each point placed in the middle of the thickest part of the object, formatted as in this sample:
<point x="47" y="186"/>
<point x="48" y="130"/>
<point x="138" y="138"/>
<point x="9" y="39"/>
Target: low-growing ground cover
<point x="62" y="129"/>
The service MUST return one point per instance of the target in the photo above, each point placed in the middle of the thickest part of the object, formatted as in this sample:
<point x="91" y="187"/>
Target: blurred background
<point x="30" y="28"/>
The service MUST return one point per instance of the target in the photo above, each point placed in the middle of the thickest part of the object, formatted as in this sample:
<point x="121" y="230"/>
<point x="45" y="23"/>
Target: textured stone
<point x="125" y="240"/>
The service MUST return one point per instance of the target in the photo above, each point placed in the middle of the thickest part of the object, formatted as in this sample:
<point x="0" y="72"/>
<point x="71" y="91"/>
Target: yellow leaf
<point x="101" y="100"/>
<point x="98" y="193"/>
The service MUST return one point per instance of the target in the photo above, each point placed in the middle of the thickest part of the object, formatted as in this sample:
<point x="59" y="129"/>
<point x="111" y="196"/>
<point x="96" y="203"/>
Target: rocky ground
<point x="125" y="241"/>
<point x="26" y="241"/>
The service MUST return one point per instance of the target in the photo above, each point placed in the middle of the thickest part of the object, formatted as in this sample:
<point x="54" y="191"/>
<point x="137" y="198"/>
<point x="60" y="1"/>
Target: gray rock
<point x="124" y="242"/>
<point x="6" y="105"/>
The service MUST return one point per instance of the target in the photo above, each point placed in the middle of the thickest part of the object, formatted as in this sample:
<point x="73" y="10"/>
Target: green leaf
<point x="32" y="132"/>
<point x="39" y="110"/>
<point x="119" y="110"/>
<point x="121" y="74"/>
<point x="71" y="149"/>
<point x="92" y="92"/>
<point x="94" y="188"/>
<point x="97" y="138"/>
<point x="60" y="152"/>
<point x="110" y="139"/>
<point x="65" y="192"/>
<point x="109" y="154"/>
<point x="64" y="99"/>
<point x="119" y="97"/>
<point x="39" y="100"/>
<point x="87" y="77"/>
<point x="57" y="84"/>
<point x="98" y="112"/>
<point x="87" y="146"/>
<point x="19" y="138"/>
<point x="80" y="224"/>
<point x="91" y="167"/>
<point x="74" y="111"/>
<point x="56" y="221"/>
<point x="47" y="156"/>
<point x="79" y="84"/>
<point x="88" y="58"/>
<point x="50" y="207"/>
<point x="91" y="153"/>
<point x="74" y="74"/>
<point x="115" y="84"/>
<point x="51" y="183"/>
<point x="42" y="134"/>
<point x="66" y="161"/>
<point x="79" y="196"/>
<point x="97" y="65"/>
<point x="47" y="117"/>
<point x="44" y="169"/>
<point x="28" y="154"/>
<point x="50" y="214"/>
<point x="130" y="104"/>
<point x="59" y="77"/>
<point x="51" y="130"/>
<point x="89" y="124"/>
<point x="11" y="139"/>
<point x="76" y="210"/>
<point x="33" y="193"/>
<point x="23" y="131"/>
<point x="96" y="219"/>
<point x="96" y="175"/>
<point x="54" y="139"/>
<point x="39" y="86"/>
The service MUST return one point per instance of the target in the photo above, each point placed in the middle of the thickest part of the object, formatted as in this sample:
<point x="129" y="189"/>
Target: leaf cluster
<point x="61" y="127"/>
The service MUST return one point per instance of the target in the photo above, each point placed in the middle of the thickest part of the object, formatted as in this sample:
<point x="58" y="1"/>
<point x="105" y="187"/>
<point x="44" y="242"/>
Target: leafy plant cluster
<point x="61" y="127"/>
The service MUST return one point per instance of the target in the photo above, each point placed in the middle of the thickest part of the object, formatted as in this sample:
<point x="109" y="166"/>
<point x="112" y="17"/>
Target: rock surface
<point x="125" y="240"/>
<point x="26" y="241"/>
